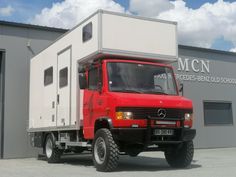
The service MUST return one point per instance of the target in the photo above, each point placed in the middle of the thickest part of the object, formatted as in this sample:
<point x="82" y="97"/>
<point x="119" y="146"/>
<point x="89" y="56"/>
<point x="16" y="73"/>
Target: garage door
<point x="1" y="101"/>
<point x="1" y="120"/>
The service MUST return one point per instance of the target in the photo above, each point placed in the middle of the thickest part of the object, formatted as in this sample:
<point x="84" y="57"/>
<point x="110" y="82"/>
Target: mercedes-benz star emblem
<point x="161" y="113"/>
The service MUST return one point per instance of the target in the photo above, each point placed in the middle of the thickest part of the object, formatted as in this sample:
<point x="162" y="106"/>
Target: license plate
<point x="164" y="132"/>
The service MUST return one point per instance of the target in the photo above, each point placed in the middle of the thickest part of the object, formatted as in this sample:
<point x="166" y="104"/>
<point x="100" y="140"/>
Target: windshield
<point x="140" y="78"/>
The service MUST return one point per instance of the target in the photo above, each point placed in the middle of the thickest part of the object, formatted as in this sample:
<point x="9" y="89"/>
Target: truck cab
<point x="138" y="102"/>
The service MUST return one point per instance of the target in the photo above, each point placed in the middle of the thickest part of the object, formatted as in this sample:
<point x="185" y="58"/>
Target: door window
<point x="63" y="81"/>
<point x="93" y="79"/>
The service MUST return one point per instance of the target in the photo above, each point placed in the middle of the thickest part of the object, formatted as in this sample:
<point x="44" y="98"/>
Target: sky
<point x="201" y="23"/>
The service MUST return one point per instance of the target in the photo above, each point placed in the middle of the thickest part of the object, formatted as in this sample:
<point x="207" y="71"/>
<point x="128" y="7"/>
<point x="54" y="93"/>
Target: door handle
<point x="53" y="104"/>
<point x="99" y="102"/>
<point x="58" y="98"/>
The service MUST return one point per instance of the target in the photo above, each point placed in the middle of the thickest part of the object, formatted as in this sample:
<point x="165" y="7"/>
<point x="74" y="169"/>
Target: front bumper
<point x="145" y="136"/>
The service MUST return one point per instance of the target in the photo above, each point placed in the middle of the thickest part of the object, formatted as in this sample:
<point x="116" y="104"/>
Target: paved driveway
<point x="206" y="163"/>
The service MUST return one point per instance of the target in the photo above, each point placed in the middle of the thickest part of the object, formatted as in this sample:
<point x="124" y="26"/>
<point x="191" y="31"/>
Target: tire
<point x="180" y="157"/>
<point x="105" y="151"/>
<point x="53" y="154"/>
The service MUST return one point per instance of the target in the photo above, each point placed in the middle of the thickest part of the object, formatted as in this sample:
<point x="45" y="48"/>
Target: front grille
<point x="145" y="112"/>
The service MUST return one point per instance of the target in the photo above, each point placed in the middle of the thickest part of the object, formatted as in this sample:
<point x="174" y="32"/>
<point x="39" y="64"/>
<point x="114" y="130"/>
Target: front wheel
<point x="180" y="157"/>
<point x="105" y="151"/>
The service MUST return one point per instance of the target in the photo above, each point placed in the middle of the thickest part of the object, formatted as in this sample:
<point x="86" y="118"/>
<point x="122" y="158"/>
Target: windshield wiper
<point x="137" y="91"/>
<point x="156" y="92"/>
<point x="132" y="91"/>
<point x="127" y="90"/>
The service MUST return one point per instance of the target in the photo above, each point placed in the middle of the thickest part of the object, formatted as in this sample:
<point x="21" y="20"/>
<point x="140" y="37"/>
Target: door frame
<point x="2" y="96"/>
<point x="57" y="82"/>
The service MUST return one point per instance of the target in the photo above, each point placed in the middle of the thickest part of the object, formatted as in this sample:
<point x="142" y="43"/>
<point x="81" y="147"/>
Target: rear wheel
<point x="53" y="154"/>
<point x="180" y="157"/>
<point x="105" y="151"/>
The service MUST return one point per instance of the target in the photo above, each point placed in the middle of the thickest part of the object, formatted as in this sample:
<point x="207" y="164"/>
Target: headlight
<point x="124" y="115"/>
<point x="187" y="116"/>
<point x="188" y="120"/>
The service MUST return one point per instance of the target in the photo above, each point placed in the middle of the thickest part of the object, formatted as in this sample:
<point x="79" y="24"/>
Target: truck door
<point x="93" y="101"/>
<point x="63" y="87"/>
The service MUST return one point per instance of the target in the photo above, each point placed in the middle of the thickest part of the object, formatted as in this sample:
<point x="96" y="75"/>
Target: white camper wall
<point x="147" y="38"/>
<point x="36" y="98"/>
<point x="41" y="97"/>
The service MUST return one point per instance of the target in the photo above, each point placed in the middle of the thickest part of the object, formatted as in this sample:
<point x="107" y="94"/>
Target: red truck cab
<point x="135" y="104"/>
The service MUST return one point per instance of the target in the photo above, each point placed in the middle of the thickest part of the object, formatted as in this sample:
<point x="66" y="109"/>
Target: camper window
<point x="48" y="76"/>
<point x="87" y="32"/>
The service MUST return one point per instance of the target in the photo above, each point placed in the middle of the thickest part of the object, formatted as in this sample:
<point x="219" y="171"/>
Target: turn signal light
<point x="119" y="115"/>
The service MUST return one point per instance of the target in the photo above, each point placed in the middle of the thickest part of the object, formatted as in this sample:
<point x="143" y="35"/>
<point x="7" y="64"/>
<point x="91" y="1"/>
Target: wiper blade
<point x="138" y="91"/>
<point x="127" y="90"/>
<point x="156" y="92"/>
<point x="162" y="93"/>
<point x="132" y="91"/>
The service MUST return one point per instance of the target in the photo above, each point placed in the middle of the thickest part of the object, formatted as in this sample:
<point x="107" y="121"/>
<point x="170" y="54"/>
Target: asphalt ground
<point x="207" y="163"/>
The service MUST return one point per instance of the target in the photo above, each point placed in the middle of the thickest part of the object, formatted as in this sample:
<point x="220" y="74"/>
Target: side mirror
<point x="82" y="81"/>
<point x="81" y="69"/>
<point x="181" y="88"/>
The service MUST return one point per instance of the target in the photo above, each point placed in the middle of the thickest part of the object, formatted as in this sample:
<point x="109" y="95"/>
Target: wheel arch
<point x="103" y="122"/>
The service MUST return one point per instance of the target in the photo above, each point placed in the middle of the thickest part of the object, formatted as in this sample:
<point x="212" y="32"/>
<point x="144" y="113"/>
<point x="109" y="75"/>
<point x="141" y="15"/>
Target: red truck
<point x="110" y="97"/>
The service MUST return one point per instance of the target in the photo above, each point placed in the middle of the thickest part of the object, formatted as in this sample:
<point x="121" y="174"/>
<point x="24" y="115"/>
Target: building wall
<point x="14" y="41"/>
<point x="209" y="86"/>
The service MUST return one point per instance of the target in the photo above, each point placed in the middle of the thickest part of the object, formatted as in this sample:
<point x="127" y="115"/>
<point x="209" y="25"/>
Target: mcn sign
<point x="195" y="65"/>
<point x="198" y="70"/>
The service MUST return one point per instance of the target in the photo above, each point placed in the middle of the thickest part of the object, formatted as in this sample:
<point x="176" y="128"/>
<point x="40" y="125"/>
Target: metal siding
<point x="14" y="40"/>
<point x="221" y="64"/>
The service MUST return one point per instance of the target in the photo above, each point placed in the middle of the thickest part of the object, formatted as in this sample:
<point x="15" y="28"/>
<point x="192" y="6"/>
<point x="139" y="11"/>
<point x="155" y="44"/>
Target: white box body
<point x="113" y="34"/>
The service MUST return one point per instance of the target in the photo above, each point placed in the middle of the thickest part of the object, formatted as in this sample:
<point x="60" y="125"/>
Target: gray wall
<point x="14" y="41"/>
<point x="221" y="64"/>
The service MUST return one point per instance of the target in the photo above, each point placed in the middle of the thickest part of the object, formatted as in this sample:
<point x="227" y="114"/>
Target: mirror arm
<point x="181" y="88"/>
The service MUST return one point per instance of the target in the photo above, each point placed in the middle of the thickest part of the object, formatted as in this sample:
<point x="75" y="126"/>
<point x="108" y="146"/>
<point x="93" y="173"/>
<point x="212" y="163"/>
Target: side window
<point x="48" y="76"/>
<point x="164" y="81"/>
<point x="93" y="79"/>
<point x="63" y="75"/>
<point x="87" y="32"/>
